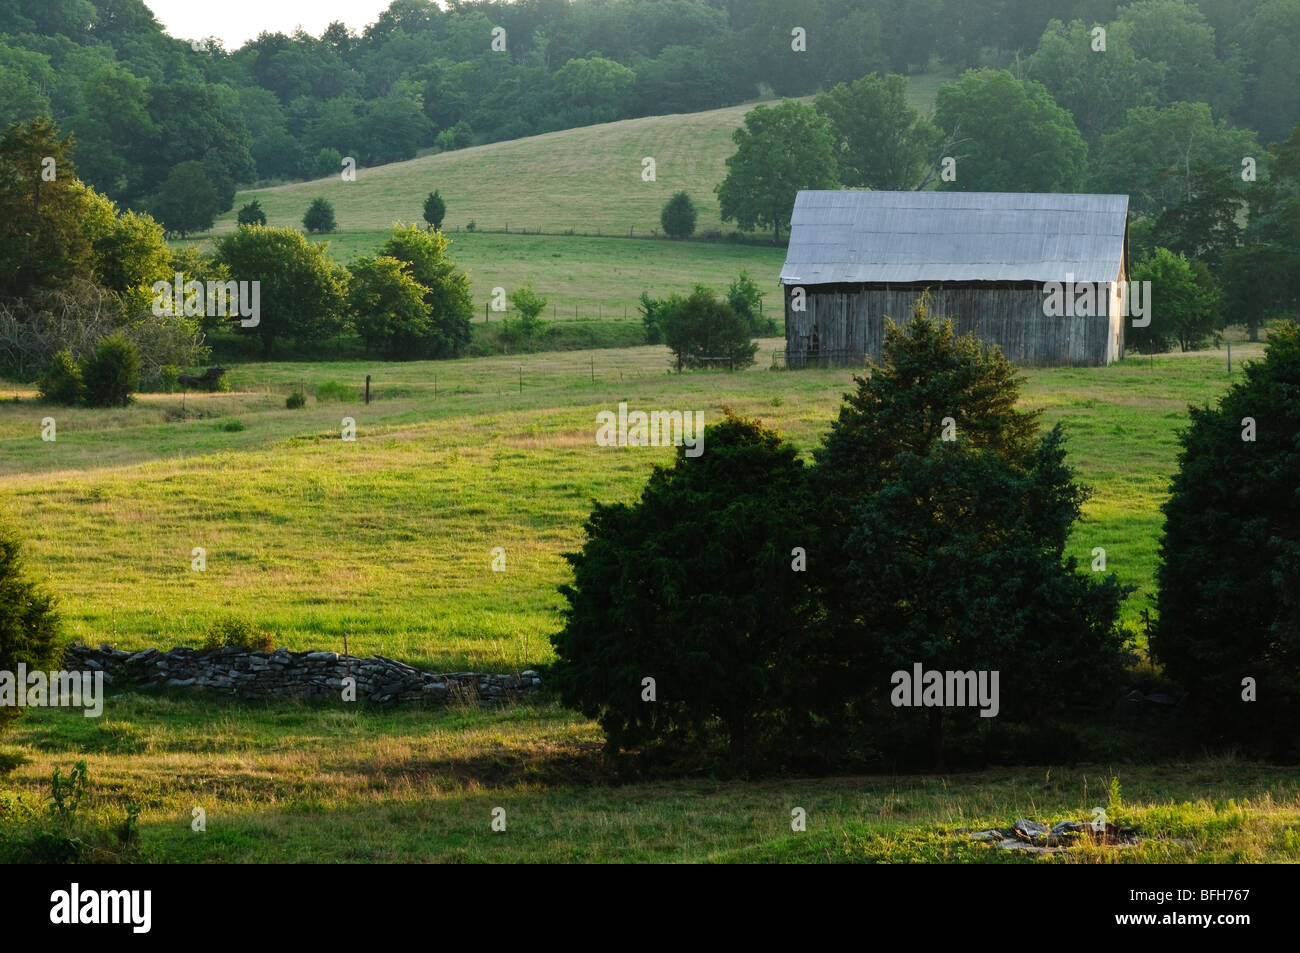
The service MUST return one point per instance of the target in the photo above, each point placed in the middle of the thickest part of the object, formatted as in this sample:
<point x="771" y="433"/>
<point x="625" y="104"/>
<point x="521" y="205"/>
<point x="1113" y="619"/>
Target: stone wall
<point x="285" y="674"/>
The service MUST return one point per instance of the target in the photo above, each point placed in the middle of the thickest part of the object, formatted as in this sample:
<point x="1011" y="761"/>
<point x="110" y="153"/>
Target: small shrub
<point x="296" y="400"/>
<point x="678" y="216"/>
<point x="9" y="761"/>
<point x="252" y="214"/>
<point x="62" y="382"/>
<point x="473" y="225"/>
<point x="336" y="390"/>
<point x="232" y="632"/>
<point x="168" y="378"/>
<point x="61" y="834"/>
<point x="66" y="794"/>
<point x="319" y="217"/>
<point x="112" y="373"/>
<point x="435" y="209"/>
<point x="234" y="425"/>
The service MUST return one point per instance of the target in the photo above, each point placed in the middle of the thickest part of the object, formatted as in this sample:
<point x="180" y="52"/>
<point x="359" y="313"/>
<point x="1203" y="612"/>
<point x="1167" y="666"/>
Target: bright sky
<point x="236" y="21"/>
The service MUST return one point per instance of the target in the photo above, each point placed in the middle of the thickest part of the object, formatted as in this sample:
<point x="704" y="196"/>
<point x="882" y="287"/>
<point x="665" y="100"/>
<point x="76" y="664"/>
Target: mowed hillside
<point x="586" y="179"/>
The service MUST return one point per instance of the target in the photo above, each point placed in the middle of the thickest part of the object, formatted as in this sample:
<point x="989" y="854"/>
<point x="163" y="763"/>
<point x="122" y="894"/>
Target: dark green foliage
<point x="931" y="529"/>
<point x="1184" y="303"/>
<point x="1008" y="136"/>
<point x="928" y="373"/>
<point x="435" y="209"/>
<point x="296" y="401"/>
<point x="1204" y="225"/>
<point x="1229" y="571"/>
<point x="956" y="563"/>
<point x="1262" y="278"/>
<point x="746" y="300"/>
<point x="653" y="312"/>
<point x="387" y="307"/>
<point x="141" y="103"/>
<point x="678" y="216"/>
<point x="187" y="202"/>
<point x="302" y="291"/>
<point x="319" y="217"/>
<point x="1150" y="155"/>
<point x="881" y="142"/>
<point x="948" y="552"/>
<point x="692" y="586"/>
<point x="252" y="214"/>
<point x="447" y="297"/>
<point x="459" y="136"/>
<point x="112" y="372"/>
<point x="1260" y="282"/>
<point x="702" y="328"/>
<point x="42" y="241"/>
<point x="780" y="150"/>
<point x="29" y="625"/>
<point x="61" y="383"/>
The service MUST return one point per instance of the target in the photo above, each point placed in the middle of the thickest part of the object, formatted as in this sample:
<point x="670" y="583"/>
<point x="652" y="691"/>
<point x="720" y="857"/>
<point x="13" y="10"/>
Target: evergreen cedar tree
<point x="319" y="217"/>
<point x="678" y="216"/>
<point x="691" y="585"/>
<point x="29" y="625"/>
<point x="252" y="214"/>
<point x="949" y="553"/>
<point x="435" y="209"/>
<point x="1229" y="570"/>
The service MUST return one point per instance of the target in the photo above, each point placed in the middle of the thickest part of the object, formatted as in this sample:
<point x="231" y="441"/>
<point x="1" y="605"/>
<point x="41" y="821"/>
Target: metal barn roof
<point x="870" y="237"/>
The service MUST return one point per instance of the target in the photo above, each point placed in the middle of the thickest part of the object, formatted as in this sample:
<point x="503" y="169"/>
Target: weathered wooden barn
<point x="986" y="258"/>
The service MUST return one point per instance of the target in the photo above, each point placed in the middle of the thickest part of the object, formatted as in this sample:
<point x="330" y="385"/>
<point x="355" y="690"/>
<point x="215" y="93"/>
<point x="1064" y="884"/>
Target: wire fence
<point x="572" y="309"/>
<point x="825" y="357"/>
<point x="711" y="235"/>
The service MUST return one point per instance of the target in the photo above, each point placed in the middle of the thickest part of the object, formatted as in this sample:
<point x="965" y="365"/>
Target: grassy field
<point x="586" y="179"/>
<point x="297" y="783"/>
<point x="590" y="277"/>
<point x="387" y="539"/>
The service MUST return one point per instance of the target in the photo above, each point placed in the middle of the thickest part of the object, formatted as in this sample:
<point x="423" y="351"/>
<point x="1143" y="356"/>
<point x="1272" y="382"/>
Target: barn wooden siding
<point x="850" y="321"/>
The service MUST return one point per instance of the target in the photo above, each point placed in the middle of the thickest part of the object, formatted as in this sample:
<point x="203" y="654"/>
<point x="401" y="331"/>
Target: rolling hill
<point x="586" y="179"/>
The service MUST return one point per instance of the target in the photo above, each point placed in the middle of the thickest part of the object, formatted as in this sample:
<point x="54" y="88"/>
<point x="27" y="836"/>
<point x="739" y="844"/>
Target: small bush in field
<point x="112" y="373"/>
<point x="232" y="632"/>
<point x="62" y="382"/>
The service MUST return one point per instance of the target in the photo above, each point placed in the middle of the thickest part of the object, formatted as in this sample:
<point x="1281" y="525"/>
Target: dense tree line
<point x="87" y="291"/>
<point x="142" y="103"/>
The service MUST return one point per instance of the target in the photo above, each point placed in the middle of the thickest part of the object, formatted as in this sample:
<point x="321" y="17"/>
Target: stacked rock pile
<point x="285" y="674"/>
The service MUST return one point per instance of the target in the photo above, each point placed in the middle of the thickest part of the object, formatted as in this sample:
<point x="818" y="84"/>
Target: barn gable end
<point x="857" y="257"/>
